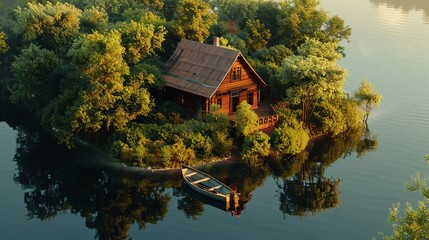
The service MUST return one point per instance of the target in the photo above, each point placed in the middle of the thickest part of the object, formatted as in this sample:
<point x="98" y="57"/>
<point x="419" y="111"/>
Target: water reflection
<point x="112" y="200"/>
<point x="406" y="5"/>
<point x="110" y="203"/>
<point x="302" y="186"/>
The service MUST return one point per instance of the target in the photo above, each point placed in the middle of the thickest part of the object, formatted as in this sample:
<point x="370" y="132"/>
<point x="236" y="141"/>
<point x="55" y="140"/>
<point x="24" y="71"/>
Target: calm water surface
<point x="339" y="189"/>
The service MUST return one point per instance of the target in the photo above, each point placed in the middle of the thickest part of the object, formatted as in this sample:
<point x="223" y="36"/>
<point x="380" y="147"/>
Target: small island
<point x="145" y="82"/>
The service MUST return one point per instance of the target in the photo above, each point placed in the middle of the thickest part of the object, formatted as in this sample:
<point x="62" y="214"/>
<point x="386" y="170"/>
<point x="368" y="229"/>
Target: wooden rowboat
<point x="207" y="185"/>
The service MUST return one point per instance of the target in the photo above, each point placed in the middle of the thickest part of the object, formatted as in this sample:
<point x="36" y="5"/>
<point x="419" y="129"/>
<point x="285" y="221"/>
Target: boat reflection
<point x="193" y="203"/>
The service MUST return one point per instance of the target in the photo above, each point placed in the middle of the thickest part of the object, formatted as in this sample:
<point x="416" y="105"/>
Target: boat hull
<point x="206" y="185"/>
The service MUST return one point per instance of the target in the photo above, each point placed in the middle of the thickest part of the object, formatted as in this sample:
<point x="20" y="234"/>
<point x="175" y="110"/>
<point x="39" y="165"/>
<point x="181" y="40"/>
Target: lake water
<point x="330" y="192"/>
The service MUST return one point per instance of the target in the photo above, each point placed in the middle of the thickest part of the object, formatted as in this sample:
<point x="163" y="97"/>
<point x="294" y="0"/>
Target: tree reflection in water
<point x="407" y="5"/>
<point x="302" y="186"/>
<point x="112" y="201"/>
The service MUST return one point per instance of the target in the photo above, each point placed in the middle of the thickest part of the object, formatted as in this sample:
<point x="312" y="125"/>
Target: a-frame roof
<point x="199" y="68"/>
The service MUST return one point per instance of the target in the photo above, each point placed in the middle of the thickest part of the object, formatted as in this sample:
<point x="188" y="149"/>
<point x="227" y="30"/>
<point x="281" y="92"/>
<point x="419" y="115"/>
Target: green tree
<point x="141" y="40"/>
<point x="247" y="120"/>
<point x="289" y="137"/>
<point x="193" y="19"/>
<point x="414" y="223"/>
<point x="35" y="84"/>
<point x="256" y="146"/>
<point x="100" y="98"/>
<point x="258" y="34"/>
<point x="50" y="25"/>
<point x="235" y="13"/>
<point x="267" y="12"/>
<point x="93" y="19"/>
<point x="267" y="62"/>
<point x="3" y="44"/>
<point x="312" y="76"/>
<point x="301" y="19"/>
<point x="367" y="98"/>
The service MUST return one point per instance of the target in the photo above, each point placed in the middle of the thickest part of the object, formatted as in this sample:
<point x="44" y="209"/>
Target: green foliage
<point x="3" y="44"/>
<point x="201" y="145"/>
<point x="367" y="98"/>
<point x="337" y="116"/>
<point x="413" y="222"/>
<point x="235" y="13"/>
<point x="222" y="144"/>
<point x="34" y="84"/>
<point x="289" y="137"/>
<point x="50" y="25"/>
<point x="93" y="19"/>
<point x="177" y="154"/>
<point x="193" y="19"/>
<point x="312" y="77"/>
<point x="132" y="148"/>
<point x="256" y="146"/>
<point x="258" y="34"/>
<point x="141" y="40"/>
<point x="102" y="98"/>
<point x="267" y="63"/>
<point x="301" y="19"/>
<point x="247" y="120"/>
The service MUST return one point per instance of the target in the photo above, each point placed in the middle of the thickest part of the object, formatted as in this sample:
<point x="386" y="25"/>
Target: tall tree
<point x="193" y="19"/>
<point x="93" y="19"/>
<point x="50" y="25"/>
<point x="258" y="34"/>
<point x="312" y="76"/>
<point x="302" y="19"/>
<point x="34" y="84"/>
<point x="102" y="99"/>
<point x="367" y="98"/>
<point x="141" y="40"/>
<point x="235" y="13"/>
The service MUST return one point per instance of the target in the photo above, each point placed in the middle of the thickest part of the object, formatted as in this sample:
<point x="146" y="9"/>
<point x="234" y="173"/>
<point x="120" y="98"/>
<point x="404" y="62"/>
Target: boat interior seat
<point x="214" y="188"/>
<point x="201" y="180"/>
<point x="190" y="174"/>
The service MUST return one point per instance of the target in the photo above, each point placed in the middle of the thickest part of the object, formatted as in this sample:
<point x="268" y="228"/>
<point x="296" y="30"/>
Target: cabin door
<point x="235" y="100"/>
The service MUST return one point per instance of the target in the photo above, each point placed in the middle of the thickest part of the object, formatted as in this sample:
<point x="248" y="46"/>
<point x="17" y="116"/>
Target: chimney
<point x="216" y="41"/>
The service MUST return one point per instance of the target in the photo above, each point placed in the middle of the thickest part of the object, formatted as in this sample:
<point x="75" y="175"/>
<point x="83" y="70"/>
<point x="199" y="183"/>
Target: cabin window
<point x="182" y="100"/>
<point x="250" y="99"/>
<point x="234" y="93"/>
<point x="219" y="102"/>
<point x="236" y="73"/>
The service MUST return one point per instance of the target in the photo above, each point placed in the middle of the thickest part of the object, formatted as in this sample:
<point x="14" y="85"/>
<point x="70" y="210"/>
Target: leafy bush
<point x="201" y="145"/>
<point x="255" y="146"/>
<point x="222" y="144"/>
<point x="337" y="116"/>
<point x="176" y="154"/>
<point x="289" y="137"/>
<point x="131" y="147"/>
<point x="247" y="120"/>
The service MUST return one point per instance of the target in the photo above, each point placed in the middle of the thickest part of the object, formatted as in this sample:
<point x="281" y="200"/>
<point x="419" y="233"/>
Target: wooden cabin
<point x="198" y="75"/>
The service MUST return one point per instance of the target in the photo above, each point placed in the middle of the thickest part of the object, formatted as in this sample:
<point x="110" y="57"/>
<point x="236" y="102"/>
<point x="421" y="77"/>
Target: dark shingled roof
<point x="199" y="68"/>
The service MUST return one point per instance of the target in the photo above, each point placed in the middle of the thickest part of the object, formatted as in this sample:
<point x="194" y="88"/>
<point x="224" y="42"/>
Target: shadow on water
<point x="111" y="197"/>
<point x="406" y="5"/>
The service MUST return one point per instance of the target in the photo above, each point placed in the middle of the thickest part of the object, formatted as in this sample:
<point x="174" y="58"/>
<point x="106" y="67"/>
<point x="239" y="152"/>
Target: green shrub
<point x="289" y="137"/>
<point x="337" y="117"/>
<point x="256" y="146"/>
<point x="201" y="145"/>
<point x="176" y="154"/>
<point x="247" y="120"/>
<point x="222" y="144"/>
